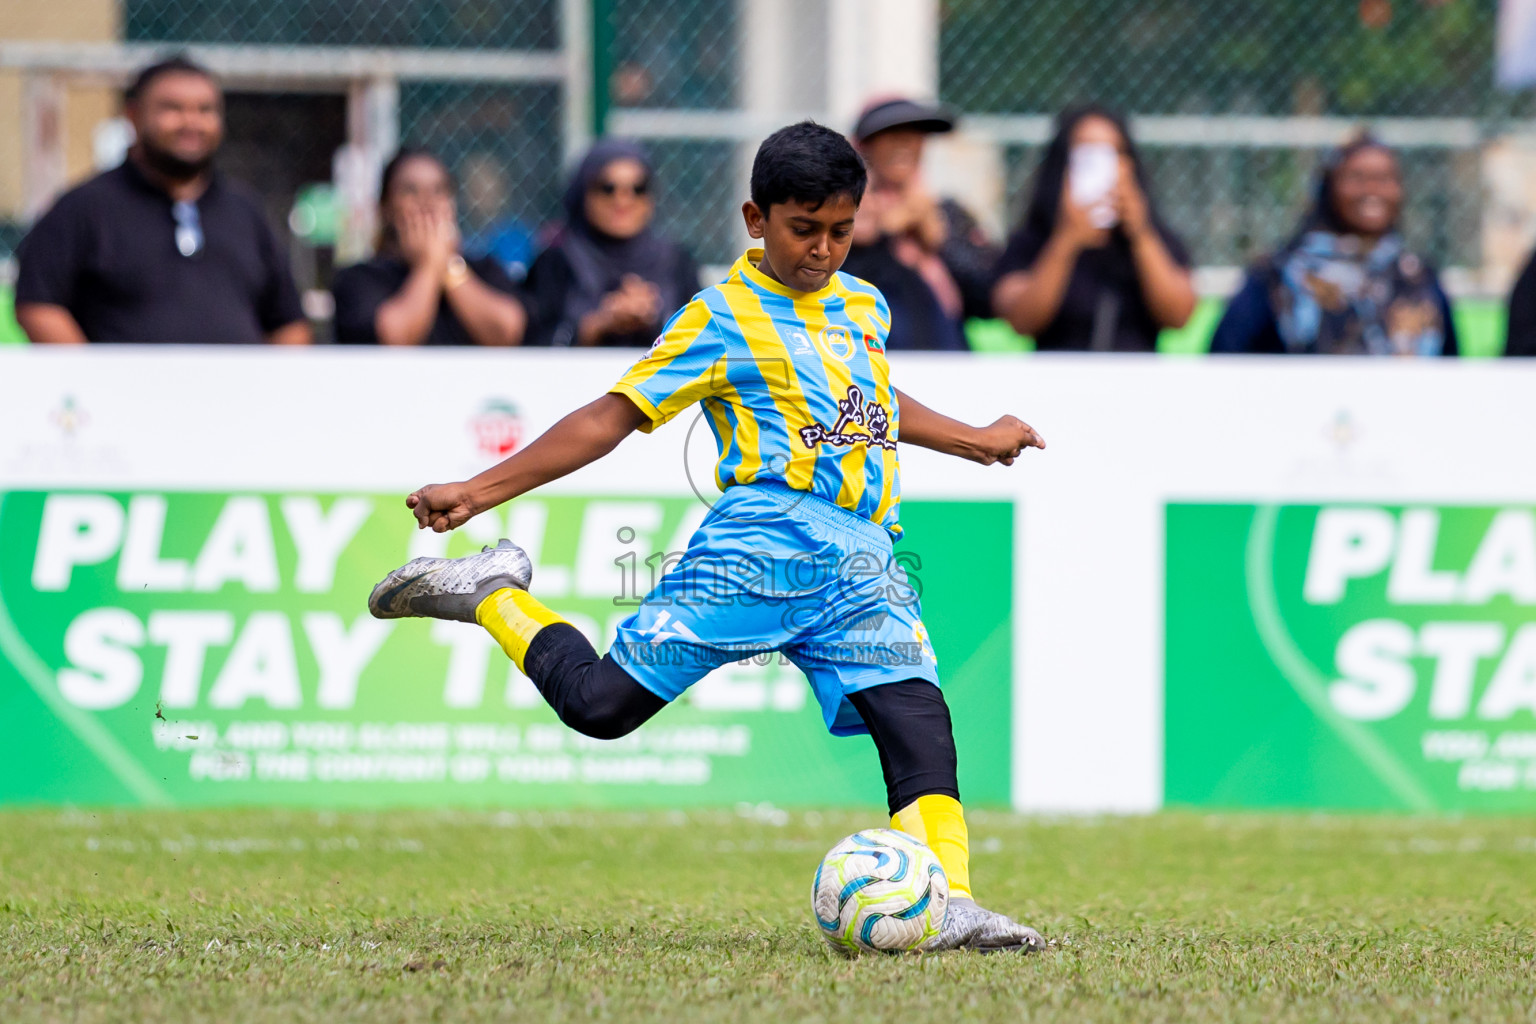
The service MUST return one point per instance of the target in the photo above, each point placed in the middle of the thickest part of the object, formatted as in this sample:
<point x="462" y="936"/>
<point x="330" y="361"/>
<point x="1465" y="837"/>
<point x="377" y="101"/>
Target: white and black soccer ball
<point x="881" y="891"/>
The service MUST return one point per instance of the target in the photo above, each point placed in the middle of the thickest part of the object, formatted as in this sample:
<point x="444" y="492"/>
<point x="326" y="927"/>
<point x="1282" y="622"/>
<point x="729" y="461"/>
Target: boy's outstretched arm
<point x="582" y="437"/>
<point x="1000" y="442"/>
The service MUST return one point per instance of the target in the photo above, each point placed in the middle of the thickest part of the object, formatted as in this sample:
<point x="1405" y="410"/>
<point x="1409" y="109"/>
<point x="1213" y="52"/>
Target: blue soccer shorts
<point x="775" y="569"/>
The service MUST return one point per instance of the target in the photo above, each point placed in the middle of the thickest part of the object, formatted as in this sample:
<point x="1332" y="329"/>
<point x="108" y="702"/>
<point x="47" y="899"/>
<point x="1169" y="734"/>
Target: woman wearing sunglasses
<point x="609" y="278"/>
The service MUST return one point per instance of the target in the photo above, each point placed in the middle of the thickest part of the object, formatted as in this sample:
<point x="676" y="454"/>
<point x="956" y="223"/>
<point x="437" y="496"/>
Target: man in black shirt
<point x="161" y="249"/>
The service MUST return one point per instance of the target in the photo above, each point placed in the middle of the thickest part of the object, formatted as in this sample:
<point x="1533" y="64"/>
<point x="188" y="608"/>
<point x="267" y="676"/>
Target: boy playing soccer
<point x="787" y="358"/>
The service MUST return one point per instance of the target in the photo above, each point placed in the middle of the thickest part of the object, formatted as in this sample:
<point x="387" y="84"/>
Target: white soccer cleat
<point x="968" y="926"/>
<point x="450" y="588"/>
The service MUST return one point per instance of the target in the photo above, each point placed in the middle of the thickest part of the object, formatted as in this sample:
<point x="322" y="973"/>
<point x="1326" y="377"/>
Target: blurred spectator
<point x="1520" y="332"/>
<point x="418" y="289"/>
<point x="631" y="85"/>
<point x="927" y="256"/>
<point x="609" y="278"/>
<point x="1093" y="266"/>
<point x="494" y="232"/>
<point x="1345" y="284"/>
<point x="162" y="248"/>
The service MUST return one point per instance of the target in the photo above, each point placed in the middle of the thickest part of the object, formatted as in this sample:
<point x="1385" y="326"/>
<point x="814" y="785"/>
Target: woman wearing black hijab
<point x="1346" y="283"/>
<point x="609" y="278"/>
<point x="1093" y="266"/>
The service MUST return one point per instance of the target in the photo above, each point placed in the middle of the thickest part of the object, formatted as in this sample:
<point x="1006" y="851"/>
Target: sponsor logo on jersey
<point x="853" y="411"/>
<point x="799" y="342"/>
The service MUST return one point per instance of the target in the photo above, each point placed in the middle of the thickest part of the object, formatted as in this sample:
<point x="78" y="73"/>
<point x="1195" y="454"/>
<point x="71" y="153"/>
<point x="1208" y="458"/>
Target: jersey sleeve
<point x="882" y="318"/>
<point x="686" y="364"/>
<point x="867" y="308"/>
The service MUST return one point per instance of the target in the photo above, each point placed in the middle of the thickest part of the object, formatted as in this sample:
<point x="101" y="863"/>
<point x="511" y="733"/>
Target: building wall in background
<point x="84" y="105"/>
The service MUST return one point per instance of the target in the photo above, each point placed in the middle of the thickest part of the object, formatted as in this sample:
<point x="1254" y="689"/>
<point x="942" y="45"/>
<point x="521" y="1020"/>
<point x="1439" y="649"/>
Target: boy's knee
<point x="608" y="703"/>
<point x="602" y="727"/>
<point x="600" y="719"/>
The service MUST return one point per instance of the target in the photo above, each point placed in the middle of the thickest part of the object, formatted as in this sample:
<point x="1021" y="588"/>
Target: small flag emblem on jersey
<point x="872" y="343"/>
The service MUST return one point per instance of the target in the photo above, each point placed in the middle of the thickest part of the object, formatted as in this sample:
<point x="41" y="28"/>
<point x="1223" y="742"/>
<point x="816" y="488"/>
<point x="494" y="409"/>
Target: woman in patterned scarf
<point x="1346" y="283"/>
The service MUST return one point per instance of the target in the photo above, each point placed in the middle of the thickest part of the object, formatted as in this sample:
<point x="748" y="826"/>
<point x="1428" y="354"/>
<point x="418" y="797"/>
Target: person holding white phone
<point x="1092" y="266"/>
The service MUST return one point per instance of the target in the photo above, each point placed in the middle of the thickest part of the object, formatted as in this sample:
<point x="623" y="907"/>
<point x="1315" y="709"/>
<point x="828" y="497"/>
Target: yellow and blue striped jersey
<point x="794" y="385"/>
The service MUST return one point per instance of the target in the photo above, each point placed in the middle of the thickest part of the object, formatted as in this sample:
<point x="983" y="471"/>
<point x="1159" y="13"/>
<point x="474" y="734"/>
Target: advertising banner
<point x="1259" y="581"/>
<point x="198" y="648"/>
<point x="1351" y="656"/>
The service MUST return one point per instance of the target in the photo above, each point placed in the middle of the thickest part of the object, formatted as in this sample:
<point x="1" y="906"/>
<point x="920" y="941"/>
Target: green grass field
<point x="458" y="916"/>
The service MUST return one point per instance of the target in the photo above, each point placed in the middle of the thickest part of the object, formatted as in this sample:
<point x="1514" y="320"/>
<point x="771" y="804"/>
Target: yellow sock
<point x="938" y="821"/>
<point x="514" y="617"/>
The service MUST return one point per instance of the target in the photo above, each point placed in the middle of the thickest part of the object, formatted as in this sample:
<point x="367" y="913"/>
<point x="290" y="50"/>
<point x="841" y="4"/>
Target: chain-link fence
<point x="1411" y="58"/>
<point x="1203" y="78"/>
<point x="458" y="24"/>
<point x="502" y="139"/>
<point x="1202" y="75"/>
<point x="1233" y="100"/>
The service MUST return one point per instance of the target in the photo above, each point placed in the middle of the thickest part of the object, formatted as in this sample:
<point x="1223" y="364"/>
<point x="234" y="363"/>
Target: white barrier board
<point x="1128" y="436"/>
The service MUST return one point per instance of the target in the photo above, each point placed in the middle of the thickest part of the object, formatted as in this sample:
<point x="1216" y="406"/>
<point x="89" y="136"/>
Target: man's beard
<point x="170" y="166"/>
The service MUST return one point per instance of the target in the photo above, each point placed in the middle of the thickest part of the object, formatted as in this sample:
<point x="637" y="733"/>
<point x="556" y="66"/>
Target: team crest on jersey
<point x="837" y="342"/>
<point x="853" y="410"/>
